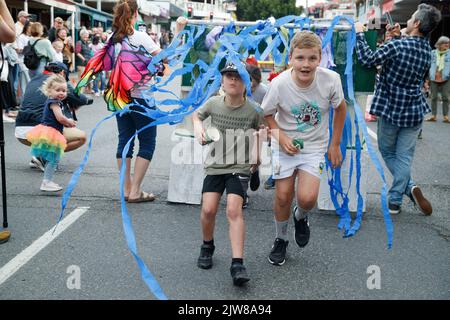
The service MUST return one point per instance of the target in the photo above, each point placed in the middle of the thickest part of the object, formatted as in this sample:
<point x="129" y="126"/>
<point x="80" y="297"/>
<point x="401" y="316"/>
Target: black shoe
<point x="205" y="259"/>
<point x="420" y="201"/>
<point x="278" y="254"/>
<point x="302" y="231"/>
<point x="254" y="181"/>
<point x="245" y="203"/>
<point x="394" y="208"/>
<point x="239" y="274"/>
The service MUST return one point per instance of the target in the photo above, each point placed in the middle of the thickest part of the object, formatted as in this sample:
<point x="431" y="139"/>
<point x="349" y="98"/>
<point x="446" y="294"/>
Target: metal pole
<point x="317" y="24"/>
<point x="2" y="150"/>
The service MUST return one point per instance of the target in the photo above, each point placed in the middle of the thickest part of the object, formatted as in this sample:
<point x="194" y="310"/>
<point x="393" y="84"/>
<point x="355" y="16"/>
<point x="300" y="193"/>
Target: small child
<point x="58" y="46"/>
<point x="297" y="107"/>
<point x="47" y="140"/>
<point x="236" y="118"/>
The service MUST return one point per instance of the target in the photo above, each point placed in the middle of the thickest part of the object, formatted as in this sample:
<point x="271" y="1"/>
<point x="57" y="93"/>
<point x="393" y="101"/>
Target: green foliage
<point x="252" y="10"/>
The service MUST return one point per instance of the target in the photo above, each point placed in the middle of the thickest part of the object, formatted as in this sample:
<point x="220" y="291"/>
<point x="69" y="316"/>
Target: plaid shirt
<point x="398" y="94"/>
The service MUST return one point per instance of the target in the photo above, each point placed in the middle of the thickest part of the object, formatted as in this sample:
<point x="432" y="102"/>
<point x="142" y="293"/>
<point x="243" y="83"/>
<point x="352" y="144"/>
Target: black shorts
<point x="232" y="182"/>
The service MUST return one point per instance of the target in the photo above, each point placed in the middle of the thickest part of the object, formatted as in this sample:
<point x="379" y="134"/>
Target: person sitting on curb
<point x="32" y="108"/>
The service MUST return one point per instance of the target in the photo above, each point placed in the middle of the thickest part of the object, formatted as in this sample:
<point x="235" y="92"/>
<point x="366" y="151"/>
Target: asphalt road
<point x="168" y="235"/>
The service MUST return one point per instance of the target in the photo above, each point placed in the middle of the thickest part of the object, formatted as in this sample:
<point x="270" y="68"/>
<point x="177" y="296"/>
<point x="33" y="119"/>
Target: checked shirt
<point x="405" y="63"/>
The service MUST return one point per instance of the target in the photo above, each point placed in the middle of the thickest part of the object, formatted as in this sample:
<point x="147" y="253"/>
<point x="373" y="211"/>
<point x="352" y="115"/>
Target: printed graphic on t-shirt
<point x="308" y="116"/>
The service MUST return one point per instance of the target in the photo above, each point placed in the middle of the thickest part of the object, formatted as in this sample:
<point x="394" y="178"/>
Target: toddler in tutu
<point x="47" y="140"/>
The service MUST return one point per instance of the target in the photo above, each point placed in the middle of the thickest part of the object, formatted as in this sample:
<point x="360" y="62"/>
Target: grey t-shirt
<point x="304" y="112"/>
<point x="232" y="153"/>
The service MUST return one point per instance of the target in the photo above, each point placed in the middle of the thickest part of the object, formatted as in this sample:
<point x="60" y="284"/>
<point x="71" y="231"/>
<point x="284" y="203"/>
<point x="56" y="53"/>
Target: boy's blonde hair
<point x="305" y="40"/>
<point x="50" y="82"/>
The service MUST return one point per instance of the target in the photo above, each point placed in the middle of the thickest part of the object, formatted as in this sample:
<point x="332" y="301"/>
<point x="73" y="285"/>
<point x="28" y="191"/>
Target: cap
<point x="229" y="67"/>
<point x="57" y="67"/>
<point x="22" y="14"/>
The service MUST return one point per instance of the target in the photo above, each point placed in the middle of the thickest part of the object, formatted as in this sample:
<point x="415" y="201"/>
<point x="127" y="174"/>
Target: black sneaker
<point x="420" y="201"/>
<point x="302" y="231"/>
<point x="254" y="181"/>
<point x="205" y="259"/>
<point x="239" y="274"/>
<point x="277" y="256"/>
<point x="245" y="203"/>
<point x="394" y="208"/>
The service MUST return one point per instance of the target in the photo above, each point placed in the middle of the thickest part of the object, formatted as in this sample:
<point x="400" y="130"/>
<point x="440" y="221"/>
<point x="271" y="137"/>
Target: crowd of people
<point x="294" y="111"/>
<point x="55" y="45"/>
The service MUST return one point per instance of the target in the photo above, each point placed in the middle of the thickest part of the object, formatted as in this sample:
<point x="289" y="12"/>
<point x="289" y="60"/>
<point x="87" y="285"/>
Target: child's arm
<point x="199" y="131"/>
<point x="334" y="150"/>
<point x="283" y="140"/>
<point x="66" y="122"/>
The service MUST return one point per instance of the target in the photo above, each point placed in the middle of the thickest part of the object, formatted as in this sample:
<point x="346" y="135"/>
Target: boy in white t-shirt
<point x="296" y="108"/>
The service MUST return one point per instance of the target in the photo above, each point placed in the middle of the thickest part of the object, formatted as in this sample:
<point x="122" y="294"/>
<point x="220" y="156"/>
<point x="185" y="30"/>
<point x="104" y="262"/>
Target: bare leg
<point x="210" y="204"/>
<point x="140" y="168"/>
<point x="127" y="184"/>
<point x="237" y="226"/>
<point x="284" y="193"/>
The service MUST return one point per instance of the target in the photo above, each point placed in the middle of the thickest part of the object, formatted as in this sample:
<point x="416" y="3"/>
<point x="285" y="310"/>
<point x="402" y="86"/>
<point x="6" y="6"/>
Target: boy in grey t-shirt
<point x="300" y="99"/>
<point x="232" y="156"/>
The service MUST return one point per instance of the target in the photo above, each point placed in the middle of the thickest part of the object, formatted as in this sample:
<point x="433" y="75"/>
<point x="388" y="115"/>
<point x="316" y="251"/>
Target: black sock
<point x="210" y="242"/>
<point x="237" y="261"/>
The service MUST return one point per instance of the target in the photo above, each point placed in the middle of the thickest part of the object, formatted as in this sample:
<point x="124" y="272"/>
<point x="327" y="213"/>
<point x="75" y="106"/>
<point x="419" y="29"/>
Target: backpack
<point x="30" y="57"/>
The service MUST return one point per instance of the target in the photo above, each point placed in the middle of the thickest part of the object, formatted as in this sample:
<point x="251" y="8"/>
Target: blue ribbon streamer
<point x="235" y="49"/>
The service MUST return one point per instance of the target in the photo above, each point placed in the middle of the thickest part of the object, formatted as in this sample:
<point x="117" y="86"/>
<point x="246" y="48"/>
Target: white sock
<point x="281" y="227"/>
<point x="300" y="213"/>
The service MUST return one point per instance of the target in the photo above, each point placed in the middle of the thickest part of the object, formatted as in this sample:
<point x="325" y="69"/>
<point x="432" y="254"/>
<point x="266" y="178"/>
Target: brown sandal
<point x="144" y="197"/>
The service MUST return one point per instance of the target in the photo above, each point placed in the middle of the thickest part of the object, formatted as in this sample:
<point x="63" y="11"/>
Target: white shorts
<point x="284" y="165"/>
<point x="21" y="132"/>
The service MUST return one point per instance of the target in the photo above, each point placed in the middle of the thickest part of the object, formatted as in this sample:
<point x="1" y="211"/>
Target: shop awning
<point x="61" y="4"/>
<point x="96" y="14"/>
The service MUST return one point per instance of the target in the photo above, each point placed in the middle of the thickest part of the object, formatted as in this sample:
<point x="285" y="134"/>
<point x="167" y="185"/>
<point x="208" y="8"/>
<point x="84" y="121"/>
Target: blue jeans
<point x="397" y="145"/>
<point x="101" y="78"/>
<point x="127" y="125"/>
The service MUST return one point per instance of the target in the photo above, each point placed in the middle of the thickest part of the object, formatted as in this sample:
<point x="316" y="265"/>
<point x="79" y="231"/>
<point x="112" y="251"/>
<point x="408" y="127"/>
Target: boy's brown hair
<point x="305" y="40"/>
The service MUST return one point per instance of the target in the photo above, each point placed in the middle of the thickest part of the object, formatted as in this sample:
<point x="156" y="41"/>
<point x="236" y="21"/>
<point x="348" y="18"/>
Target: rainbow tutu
<point x="47" y="143"/>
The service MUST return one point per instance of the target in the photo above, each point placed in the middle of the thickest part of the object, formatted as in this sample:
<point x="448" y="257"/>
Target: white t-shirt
<point x="304" y="112"/>
<point x="137" y="39"/>
<point x="22" y="41"/>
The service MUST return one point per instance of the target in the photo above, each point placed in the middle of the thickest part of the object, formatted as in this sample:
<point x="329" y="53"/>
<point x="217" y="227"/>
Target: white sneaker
<point x="7" y="119"/>
<point x="50" y="186"/>
<point x="36" y="163"/>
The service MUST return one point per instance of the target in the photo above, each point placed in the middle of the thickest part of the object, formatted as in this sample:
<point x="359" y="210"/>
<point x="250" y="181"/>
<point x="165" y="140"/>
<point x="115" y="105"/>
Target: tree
<point x="252" y="10"/>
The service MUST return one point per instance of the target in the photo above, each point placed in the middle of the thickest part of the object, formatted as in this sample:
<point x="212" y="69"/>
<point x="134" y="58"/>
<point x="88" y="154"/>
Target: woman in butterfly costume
<point x="127" y="55"/>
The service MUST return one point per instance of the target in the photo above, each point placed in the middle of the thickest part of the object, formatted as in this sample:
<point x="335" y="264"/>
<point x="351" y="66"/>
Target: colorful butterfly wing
<point x="129" y="72"/>
<point x="103" y="60"/>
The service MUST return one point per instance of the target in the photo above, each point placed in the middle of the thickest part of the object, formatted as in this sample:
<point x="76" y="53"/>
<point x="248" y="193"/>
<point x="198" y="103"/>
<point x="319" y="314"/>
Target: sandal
<point x="144" y="197"/>
<point x="431" y="119"/>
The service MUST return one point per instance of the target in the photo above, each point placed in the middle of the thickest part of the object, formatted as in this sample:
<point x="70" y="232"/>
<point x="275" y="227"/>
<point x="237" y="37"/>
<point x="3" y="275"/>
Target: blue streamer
<point x="235" y="49"/>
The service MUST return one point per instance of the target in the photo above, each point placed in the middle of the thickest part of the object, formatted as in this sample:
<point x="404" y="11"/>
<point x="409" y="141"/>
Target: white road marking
<point x="26" y="255"/>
